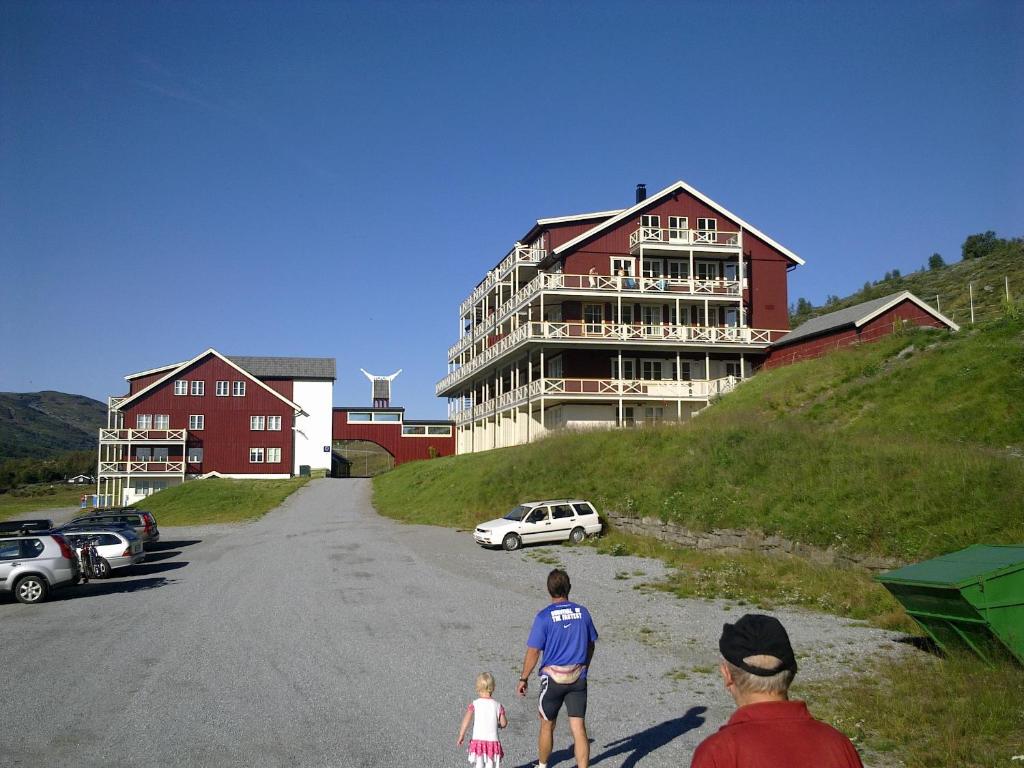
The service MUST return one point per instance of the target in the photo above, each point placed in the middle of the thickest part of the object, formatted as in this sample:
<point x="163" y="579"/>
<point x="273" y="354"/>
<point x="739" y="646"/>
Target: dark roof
<point x="287" y="367"/>
<point x="843" y="318"/>
<point x="421" y="422"/>
<point x="389" y="409"/>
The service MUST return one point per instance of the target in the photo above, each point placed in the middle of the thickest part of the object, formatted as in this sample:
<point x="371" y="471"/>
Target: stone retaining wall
<point x="732" y="541"/>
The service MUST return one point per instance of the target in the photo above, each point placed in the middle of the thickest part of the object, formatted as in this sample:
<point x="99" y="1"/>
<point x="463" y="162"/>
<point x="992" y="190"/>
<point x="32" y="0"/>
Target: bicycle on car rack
<point x="89" y="560"/>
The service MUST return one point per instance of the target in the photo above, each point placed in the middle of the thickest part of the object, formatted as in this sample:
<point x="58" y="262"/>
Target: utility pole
<point x="970" y="288"/>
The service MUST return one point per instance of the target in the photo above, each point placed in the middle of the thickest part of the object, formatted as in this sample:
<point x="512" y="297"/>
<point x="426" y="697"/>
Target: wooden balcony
<point x="519" y="255"/>
<point x="136" y="467"/>
<point x="595" y="390"/>
<point x="600" y="334"/>
<point x="670" y="239"/>
<point x="161" y="436"/>
<point x="607" y="286"/>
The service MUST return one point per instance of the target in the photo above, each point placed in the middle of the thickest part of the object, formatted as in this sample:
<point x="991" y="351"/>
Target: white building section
<point x="313" y="425"/>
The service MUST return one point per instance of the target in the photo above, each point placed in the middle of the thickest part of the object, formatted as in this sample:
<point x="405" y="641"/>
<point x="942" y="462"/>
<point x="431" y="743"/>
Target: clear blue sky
<point x="332" y="179"/>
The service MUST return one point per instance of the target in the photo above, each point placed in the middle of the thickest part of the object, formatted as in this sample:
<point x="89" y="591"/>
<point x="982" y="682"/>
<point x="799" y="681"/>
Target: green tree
<point x="935" y="261"/>
<point x="980" y="245"/>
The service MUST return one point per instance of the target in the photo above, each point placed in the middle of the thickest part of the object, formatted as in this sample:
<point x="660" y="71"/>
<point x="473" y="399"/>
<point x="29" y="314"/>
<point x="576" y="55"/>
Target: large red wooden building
<point x="614" y="318"/>
<point x="241" y="417"/>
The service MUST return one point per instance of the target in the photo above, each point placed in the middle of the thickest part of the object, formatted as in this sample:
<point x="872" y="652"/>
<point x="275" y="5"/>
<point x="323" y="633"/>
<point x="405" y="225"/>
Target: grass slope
<point x="908" y="447"/>
<point x="42" y="424"/>
<point x="19" y="504"/>
<point x="216" y="500"/>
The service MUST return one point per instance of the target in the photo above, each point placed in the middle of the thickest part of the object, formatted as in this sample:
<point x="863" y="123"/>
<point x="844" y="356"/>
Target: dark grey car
<point x="143" y="522"/>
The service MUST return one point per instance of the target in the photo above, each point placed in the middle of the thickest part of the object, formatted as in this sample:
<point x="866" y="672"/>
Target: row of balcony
<point x="143" y="435"/>
<point x="607" y="389"/>
<point x="135" y="466"/>
<point x="610" y="332"/>
<point x="685" y="237"/>
<point x="679" y="287"/>
<point x="520" y="254"/>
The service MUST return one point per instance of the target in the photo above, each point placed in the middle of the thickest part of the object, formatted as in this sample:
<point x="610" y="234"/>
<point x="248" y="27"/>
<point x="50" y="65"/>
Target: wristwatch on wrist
<point x="524" y="680"/>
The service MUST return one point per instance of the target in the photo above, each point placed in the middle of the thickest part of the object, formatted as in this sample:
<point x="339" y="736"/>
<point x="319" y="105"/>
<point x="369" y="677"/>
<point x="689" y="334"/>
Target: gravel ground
<point x="324" y="635"/>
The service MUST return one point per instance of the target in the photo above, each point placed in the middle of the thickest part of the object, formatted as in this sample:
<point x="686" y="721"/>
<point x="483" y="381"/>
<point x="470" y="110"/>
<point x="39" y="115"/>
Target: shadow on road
<point x="556" y="756"/>
<point x="97" y="588"/>
<point x="156" y="557"/>
<point x="639" y="745"/>
<point x="160" y="546"/>
<point x="148" y="569"/>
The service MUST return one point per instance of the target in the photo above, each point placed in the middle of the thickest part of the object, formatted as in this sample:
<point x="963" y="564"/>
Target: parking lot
<point x="324" y="635"/>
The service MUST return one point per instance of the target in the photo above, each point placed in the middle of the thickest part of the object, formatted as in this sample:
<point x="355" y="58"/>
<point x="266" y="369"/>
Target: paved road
<point x="324" y="635"/>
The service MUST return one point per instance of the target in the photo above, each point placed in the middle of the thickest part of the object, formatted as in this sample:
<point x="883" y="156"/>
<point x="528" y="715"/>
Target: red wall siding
<point x="878" y="328"/>
<point x="389" y="436"/>
<point x="768" y="295"/>
<point x="139" y="384"/>
<point x="226" y="437"/>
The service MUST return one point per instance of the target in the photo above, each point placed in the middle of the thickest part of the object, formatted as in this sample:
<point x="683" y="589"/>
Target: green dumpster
<point x="974" y="597"/>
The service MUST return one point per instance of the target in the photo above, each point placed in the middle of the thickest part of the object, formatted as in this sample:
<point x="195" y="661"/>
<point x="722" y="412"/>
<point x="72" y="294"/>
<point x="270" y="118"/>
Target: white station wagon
<point x="533" y="521"/>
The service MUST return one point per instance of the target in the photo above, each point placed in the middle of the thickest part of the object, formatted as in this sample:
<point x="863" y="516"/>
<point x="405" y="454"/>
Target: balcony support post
<point x="707" y="366"/>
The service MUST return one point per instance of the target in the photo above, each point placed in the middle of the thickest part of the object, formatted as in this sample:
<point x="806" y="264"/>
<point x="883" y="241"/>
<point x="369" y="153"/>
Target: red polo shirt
<point x="775" y="734"/>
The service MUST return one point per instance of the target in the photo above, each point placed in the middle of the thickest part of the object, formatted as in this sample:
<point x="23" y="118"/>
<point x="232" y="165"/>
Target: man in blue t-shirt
<point x="565" y="634"/>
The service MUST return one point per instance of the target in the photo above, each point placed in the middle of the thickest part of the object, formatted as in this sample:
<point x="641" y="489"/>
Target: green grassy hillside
<point x="948" y="287"/>
<point x="43" y="424"/>
<point x="216" y="500"/>
<point x="908" y="447"/>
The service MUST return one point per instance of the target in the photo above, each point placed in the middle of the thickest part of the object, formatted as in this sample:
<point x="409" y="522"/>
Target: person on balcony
<point x="592" y="277"/>
<point x="625" y="280"/>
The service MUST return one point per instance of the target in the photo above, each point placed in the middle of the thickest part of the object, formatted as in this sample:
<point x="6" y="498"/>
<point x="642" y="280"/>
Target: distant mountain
<point x="42" y="424"/>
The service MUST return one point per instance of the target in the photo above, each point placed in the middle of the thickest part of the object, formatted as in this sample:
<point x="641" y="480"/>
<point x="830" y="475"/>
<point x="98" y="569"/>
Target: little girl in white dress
<point x="487" y="716"/>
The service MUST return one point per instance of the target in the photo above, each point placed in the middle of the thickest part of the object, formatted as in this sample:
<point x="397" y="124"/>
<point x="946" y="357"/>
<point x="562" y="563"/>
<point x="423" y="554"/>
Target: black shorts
<point x="552" y="695"/>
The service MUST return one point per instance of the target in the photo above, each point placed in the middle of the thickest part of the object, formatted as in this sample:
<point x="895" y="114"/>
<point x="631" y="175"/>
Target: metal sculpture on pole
<point x="381" y="386"/>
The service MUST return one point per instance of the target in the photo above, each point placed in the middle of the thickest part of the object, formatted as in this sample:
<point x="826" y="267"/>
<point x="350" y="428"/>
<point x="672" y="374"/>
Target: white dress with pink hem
<point x="484" y="748"/>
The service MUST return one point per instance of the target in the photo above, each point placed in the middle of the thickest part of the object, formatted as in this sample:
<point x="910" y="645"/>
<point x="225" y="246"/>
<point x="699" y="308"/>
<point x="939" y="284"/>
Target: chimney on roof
<point x="641" y="192"/>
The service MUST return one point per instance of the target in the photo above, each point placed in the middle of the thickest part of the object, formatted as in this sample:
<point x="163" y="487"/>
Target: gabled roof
<point x="172" y="372"/>
<point x="858" y="315"/>
<point x="269" y="367"/>
<point x="287" y="367"/>
<point x="669" y="190"/>
<point x="541" y="223"/>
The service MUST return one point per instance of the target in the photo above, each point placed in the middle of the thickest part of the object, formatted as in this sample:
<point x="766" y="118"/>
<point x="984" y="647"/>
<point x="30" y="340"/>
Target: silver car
<point x="31" y="566"/>
<point x="116" y="547"/>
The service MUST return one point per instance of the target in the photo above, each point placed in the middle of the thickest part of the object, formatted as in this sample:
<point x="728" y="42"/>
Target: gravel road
<point x="324" y="635"/>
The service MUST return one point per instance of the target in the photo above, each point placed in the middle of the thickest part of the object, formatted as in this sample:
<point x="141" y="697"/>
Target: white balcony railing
<point x="660" y="235"/>
<point x="142" y="467"/>
<point x="611" y="332"/>
<point x="591" y="284"/>
<point x="597" y="389"/>
<point x="520" y="254"/>
<point x="142" y="435"/>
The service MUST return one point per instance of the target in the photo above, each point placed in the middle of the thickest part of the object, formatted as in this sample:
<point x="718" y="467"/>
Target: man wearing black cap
<point x="767" y="730"/>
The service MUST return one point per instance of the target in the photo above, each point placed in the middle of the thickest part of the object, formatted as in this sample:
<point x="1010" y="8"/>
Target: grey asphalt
<point x="325" y="635"/>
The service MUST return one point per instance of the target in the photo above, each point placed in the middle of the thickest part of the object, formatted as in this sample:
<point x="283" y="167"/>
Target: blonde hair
<point x="749" y="683"/>
<point x="485" y="683"/>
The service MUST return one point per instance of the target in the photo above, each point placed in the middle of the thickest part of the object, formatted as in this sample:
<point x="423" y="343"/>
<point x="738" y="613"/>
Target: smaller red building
<point x="865" y="322"/>
<point x="403" y="439"/>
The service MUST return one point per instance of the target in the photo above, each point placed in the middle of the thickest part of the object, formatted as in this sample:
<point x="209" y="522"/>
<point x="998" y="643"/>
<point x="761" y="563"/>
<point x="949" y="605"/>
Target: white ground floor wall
<point x="517" y="426"/>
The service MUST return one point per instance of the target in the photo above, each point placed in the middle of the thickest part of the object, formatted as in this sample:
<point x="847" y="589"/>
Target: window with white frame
<point x="195" y="455"/>
<point x="161" y="454"/>
<point x="707" y="226"/>
<point x="359" y="417"/>
<point x="733" y="368"/>
<point x="622" y="266"/>
<point x="238" y="389"/>
<point x="273" y="455"/>
<point x="198" y="388"/>
<point x="414" y="430"/>
<point x="257" y="422"/>
<point x="256" y="455"/>
<point x="731" y="270"/>
<point x="625" y="416"/>
<point x="143" y="421"/>
<point x="628" y="368"/>
<point x="653" y="268"/>
<point x="143" y="453"/>
<point x="223" y="389"/>
<point x="732" y="317"/>
<point x="677" y="229"/>
<point x="682" y="371"/>
<point x="678" y="269"/>
<point x="161" y="421"/>
<point x="387" y="416"/>
<point x="697" y="316"/>
<point x="196" y="422"/>
<point x="624" y="314"/>
<point x="650" y="370"/>
<point x="181" y="387"/>
<point x="650" y="220"/>
<point x="706" y="270"/>
<point x="650" y="317"/>
<point x="274" y="423"/>
<point x="439" y="430"/>
<point x="593" y="317"/>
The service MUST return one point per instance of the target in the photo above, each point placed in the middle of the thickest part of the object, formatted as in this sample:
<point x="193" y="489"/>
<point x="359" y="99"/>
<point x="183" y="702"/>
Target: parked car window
<point x="10" y="549"/>
<point x="516" y="514"/>
<point x="560" y="511"/>
<point x="584" y="509"/>
<point x="538" y="515"/>
<point x="31" y="547"/>
<point x="107" y="538"/>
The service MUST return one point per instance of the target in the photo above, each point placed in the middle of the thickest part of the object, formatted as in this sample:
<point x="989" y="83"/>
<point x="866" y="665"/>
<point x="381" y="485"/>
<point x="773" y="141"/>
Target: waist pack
<point x="563" y="675"/>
